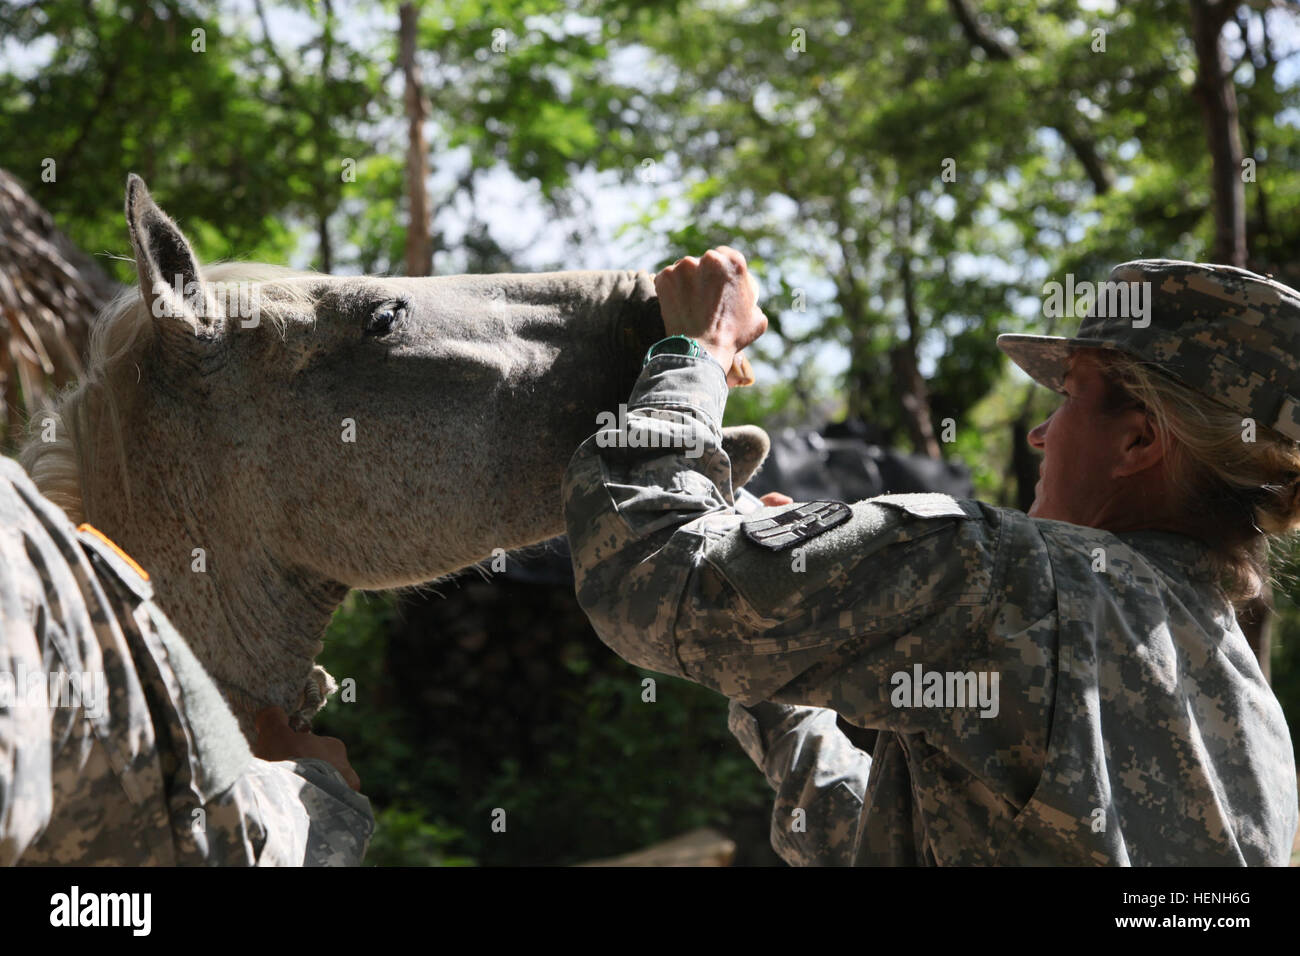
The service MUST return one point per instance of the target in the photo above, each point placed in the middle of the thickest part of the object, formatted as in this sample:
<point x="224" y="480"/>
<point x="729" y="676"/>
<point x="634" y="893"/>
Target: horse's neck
<point x="256" y="627"/>
<point x="255" y="624"/>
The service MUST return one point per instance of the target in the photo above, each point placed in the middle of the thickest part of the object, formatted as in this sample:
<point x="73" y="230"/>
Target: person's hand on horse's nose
<point x="713" y="299"/>
<point x="277" y="741"/>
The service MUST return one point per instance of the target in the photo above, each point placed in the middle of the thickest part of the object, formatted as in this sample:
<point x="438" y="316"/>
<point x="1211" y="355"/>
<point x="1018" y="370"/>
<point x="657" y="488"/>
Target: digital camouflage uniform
<point x="156" y="773"/>
<point x="1133" y="723"/>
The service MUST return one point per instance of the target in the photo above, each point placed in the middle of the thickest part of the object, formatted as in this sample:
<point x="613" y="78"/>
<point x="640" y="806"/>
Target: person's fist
<point x="713" y="299"/>
<point x="277" y="741"/>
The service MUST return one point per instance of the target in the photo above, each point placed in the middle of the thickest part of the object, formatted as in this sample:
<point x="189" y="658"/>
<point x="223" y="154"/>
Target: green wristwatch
<point x="674" y="345"/>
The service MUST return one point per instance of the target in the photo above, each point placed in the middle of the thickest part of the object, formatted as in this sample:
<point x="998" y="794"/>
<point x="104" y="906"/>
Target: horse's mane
<point x="90" y="408"/>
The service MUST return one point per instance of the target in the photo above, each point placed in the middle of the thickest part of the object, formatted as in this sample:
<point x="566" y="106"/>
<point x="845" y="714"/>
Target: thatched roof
<point x="50" y="291"/>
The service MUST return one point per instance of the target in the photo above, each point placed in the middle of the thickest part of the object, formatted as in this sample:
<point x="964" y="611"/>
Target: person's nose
<point x="1038" y="434"/>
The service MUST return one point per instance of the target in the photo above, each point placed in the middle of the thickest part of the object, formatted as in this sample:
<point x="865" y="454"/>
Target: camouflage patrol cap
<point x="1226" y="333"/>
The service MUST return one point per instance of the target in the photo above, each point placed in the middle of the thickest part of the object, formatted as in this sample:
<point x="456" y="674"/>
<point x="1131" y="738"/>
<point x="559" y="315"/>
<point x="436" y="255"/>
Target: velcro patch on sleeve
<point x="796" y="525"/>
<point x="928" y="504"/>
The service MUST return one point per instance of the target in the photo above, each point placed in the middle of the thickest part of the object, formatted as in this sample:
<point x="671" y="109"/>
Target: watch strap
<point x="674" y="345"/>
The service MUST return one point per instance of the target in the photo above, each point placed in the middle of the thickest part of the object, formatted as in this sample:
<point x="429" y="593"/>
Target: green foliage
<point x="232" y="149"/>
<point x="247" y="141"/>
<point x="802" y="394"/>
<point x="1285" y="648"/>
<point x="403" y="837"/>
<point x="612" y="774"/>
<point x="355" y="648"/>
<point x="812" y="135"/>
<point x="678" y="769"/>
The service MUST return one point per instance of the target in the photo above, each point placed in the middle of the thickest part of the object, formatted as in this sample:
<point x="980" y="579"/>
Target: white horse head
<point x="262" y="440"/>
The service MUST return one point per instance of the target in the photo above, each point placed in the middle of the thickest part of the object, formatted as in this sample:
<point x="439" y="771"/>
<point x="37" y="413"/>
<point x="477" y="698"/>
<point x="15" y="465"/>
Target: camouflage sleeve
<point x="67" y="796"/>
<point x="254" y="812"/>
<point x="115" y="745"/>
<point x="26" y="784"/>
<point x="305" y="813"/>
<point x="819" y="777"/>
<point x="671" y="582"/>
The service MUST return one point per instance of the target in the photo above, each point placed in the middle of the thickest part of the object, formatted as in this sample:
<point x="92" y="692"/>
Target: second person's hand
<point x="714" y="300"/>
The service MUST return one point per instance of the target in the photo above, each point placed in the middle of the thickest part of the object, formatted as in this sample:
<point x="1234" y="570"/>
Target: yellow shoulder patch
<point x="116" y="550"/>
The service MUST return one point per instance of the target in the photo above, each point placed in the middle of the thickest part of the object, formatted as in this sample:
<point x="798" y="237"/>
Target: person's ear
<point x="1141" y="444"/>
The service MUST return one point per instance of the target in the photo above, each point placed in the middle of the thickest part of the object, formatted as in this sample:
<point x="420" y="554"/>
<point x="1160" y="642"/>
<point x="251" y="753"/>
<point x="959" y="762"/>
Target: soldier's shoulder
<point x="972" y="519"/>
<point x="23" y="505"/>
<point x="1065" y="531"/>
<point x="1076" y="544"/>
<point x="11" y="471"/>
<point x="17" y="492"/>
<point x="930" y="504"/>
<point x="936" y="505"/>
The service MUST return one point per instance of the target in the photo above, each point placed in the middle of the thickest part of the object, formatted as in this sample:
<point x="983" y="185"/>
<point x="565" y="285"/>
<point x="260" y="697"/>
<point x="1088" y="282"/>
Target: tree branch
<point x="978" y="35"/>
<point x="1082" y="145"/>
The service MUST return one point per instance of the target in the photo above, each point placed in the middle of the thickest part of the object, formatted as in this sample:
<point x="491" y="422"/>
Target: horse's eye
<point x="385" y="316"/>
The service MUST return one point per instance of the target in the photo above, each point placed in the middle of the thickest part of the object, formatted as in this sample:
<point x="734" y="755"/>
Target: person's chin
<point x="1039" y="509"/>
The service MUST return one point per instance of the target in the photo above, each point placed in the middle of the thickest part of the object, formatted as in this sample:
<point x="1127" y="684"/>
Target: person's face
<point x="1083" y="447"/>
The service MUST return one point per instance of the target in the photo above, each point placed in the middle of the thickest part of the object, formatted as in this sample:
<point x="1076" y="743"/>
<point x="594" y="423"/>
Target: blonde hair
<point x="118" y="339"/>
<point x="1245" y="493"/>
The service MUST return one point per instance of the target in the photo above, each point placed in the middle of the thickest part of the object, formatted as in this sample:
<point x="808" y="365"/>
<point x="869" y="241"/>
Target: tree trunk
<point x="326" y="247"/>
<point x="912" y="390"/>
<point x="1217" y="95"/>
<point x="320" y="123"/>
<point x="419" y="232"/>
<point x="915" y="399"/>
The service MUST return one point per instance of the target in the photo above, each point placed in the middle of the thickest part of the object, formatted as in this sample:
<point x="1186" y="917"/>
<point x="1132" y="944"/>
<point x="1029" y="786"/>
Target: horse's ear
<point x="170" y="280"/>
<point x="747" y="447"/>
